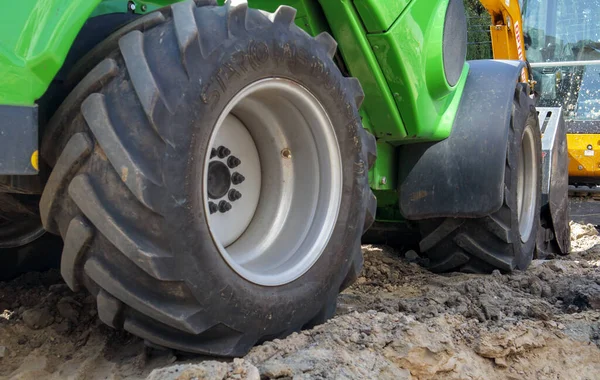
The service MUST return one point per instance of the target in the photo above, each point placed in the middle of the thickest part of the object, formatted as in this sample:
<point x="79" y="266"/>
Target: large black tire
<point x="481" y="245"/>
<point x="127" y="148"/>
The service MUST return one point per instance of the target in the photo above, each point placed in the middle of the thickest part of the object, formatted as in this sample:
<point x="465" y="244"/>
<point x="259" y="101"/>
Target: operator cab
<point x="562" y="39"/>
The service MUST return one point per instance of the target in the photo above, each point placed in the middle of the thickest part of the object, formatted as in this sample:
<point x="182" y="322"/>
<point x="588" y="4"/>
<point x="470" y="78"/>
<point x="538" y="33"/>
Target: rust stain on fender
<point x="418" y="195"/>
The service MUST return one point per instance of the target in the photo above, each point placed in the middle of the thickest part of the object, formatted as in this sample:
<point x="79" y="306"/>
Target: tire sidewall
<point x="524" y="117"/>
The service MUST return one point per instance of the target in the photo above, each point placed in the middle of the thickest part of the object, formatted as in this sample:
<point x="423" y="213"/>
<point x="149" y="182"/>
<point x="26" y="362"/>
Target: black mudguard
<point x="463" y="175"/>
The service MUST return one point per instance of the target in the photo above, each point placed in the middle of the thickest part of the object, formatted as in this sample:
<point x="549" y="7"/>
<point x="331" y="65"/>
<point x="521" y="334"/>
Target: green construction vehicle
<point x="211" y="168"/>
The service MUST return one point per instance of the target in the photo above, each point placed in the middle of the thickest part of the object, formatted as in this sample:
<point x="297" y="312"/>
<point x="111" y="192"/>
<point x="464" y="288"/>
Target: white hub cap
<point x="272" y="182"/>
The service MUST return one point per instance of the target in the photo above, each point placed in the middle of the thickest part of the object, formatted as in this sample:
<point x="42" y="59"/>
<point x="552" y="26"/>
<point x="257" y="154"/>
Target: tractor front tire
<point x="210" y="178"/>
<point x="506" y="239"/>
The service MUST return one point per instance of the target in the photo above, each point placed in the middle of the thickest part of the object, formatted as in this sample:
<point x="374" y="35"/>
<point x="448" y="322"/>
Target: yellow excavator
<point x="560" y="41"/>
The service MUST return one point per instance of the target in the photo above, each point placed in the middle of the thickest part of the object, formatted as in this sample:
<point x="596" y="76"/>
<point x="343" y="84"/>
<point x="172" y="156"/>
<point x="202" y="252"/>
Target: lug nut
<point x="237" y="178"/>
<point x="233" y="162"/>
<point x="224" y="206"/>
<point x="213" y="152"/>
<point x="212" y="207"/>
<point x="223" y="152"/>
<point x="234" y="195"/>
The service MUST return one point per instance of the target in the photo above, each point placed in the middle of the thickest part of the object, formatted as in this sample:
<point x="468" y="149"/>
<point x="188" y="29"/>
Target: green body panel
<point x="379" y="15"/>
<point x="410" y="54"/>
<point x="347" y="28"/>
<point x="35" y="37"/>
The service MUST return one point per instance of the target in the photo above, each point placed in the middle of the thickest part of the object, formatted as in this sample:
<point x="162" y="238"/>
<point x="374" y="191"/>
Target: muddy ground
<point x="398" y="322"/>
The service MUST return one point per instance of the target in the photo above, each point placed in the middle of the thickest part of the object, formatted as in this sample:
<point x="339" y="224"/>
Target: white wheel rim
<point x="292" y="182"/>
<point x="527" y="184"/>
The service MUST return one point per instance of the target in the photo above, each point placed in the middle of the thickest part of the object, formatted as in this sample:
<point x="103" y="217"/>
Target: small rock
<point x="63" y="328"/>
<point x="38" y="318"/>
<point x="501" y="362"/>
<point x="496" y="273"/>
<point x="546" y="291"/>
<point x="59" y="288"/>
<point x="67" y="311"/>
<point x="557" y="266"/>
<point x="411" y="255"/>
<point x="276" y="370"/>
<point x="536" y="289"/>
<point x="2" y="351"/>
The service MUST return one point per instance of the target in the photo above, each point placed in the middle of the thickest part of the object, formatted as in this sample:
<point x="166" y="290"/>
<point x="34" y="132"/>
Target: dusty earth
<point x="398" y="322"/>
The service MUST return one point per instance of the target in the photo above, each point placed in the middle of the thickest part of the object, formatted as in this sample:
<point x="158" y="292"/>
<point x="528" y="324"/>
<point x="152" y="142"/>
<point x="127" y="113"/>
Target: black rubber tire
<point x="547" y="246"/>
<point x="480" y="245"/>
<point x="127" y="148"/>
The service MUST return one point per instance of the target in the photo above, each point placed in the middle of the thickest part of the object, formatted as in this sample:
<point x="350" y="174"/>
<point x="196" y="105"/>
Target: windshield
<point x="562" y="39"/>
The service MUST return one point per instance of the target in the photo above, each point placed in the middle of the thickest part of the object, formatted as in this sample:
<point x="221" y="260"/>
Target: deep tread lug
<point x="102" y="73"/>
<point x="452" y="262"/>
<point x="146" y="87"/>
<point x="284" y="15"/>
<point x="185" y="26"/>
<point x="72" y="157"/>
<point x="157" y="306"/>
<point x="162" y="336"/>
<point x="78" y="237"/>
<point x="103" y="49"/>
<point x="329" y="43"/>
<point x="139" y="178"/>
<point x="142" y="252"/>
<point x="110" y="309"/>
<point x="355" y="268"/>
<point x="370" y="212"/>
<point x="440" y="233"/>
<point x="359" y="94"/>
<point x="371" y="147"/>
<point x="498" y="228"/>
<point x="476" y="249"/>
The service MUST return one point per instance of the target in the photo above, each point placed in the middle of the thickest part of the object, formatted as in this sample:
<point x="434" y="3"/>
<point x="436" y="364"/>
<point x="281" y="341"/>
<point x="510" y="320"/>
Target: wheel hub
<point x="219" y="180"/>
<point x="271" y="213"/>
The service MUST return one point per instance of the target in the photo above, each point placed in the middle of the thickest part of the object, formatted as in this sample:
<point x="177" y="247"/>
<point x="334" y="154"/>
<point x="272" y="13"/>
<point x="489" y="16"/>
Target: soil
<point x="398" y="321"/>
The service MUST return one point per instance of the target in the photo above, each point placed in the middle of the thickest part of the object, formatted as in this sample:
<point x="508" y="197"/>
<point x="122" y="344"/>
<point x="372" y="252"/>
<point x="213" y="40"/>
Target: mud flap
<point x="554" y="236"/>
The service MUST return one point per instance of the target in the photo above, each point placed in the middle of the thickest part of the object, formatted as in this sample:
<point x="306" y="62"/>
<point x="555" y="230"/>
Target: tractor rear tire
<point x="181" y="120"/>
<point x="506" y="239"/>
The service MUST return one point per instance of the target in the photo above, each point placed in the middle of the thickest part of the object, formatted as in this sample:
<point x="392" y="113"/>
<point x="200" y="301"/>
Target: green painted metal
<point x="361" y="61"/>
<point x="35" y="37"/>
<point x="122" y="6"/>
<point x="379" y="15"/>
<point x="410" y="54"/>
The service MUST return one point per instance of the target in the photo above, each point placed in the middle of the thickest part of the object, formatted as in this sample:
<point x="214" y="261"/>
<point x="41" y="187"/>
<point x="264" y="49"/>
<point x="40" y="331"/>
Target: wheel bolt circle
<point x="237" y="178"/>
<point x="233" y="162"/>
<point x="223" y="152"/>
<point x="234" y="195"/>
<point x="224" y="206"/>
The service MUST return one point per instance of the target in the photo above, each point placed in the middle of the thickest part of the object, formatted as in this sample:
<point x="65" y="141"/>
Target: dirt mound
<point x="398" y="321"/>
